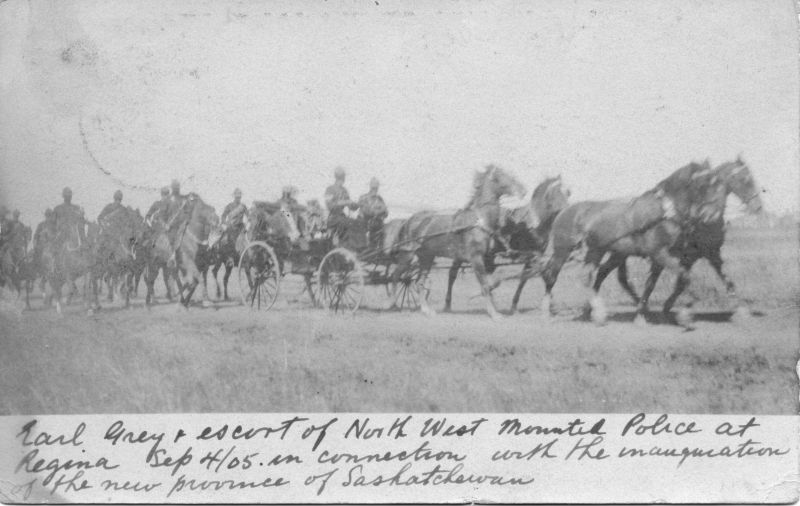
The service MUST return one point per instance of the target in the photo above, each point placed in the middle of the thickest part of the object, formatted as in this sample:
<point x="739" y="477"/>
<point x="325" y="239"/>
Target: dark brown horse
<point x="647" y="226"/>
<point x="527" y="228"/>
<point x="466" y="236"/>
<point x="703" y="238"/>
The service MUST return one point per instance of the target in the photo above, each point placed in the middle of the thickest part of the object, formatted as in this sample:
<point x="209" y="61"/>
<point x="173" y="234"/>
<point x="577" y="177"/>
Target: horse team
<point x="675" y="223"/>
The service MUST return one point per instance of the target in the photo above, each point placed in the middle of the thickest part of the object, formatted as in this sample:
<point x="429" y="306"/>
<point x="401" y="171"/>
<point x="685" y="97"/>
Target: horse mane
<point x="542" y="188"/>
<point x="686" y="176"/>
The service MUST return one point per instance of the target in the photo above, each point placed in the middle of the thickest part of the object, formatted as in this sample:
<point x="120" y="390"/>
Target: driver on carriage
<point x="337" y="199"/>
<point x="110" y="209"/>
<point x="158" y="214"/>
<point x="68" y="217"/>
<point x="234" y="213"/>
<point x="372" y="209"/>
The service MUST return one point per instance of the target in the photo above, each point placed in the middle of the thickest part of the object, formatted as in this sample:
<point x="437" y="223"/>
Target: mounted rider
<point x="373" y="211"/>
<point x="67" y="218"/>
<point x="158" y="214"/>
<point x="176" y="211"/>
<point x="45" y="232"/>
<point x="110" y="209"/>
<point x="8" y="228"/>
<point x="337" y="199"/>
<point x="5" y="226"/>
<point x="234" y="213"/>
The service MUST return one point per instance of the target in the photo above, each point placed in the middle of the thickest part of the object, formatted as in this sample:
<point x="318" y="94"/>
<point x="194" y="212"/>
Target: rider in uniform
<point x="159" y="211"/>
<point x="175" y="207"/>
<point x="234" y="213"/>
<point x="372" y="209"/>
<point x="111" y="208"/>
<point x="67" y="216"/>
<point x="336" y="200"/>
<point x="44" y="232"/>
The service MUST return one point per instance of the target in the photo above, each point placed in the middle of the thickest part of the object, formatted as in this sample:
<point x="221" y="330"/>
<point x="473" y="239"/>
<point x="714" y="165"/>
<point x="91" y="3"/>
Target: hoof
<point x="496" y="317"/>
<point x="640" y="320"/>
<point x="427" y="311"/>
<point x="684" y="318"/>
<point x="598" y="311"/>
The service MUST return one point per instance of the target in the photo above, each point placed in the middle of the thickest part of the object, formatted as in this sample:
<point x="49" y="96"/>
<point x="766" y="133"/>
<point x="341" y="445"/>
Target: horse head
<point x="493" y="183"/>
<point x="739" y="180"/>
<point x="549" y="199"/>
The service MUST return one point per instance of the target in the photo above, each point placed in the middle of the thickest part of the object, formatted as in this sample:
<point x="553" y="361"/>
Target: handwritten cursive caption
<point x="387" y="458"/>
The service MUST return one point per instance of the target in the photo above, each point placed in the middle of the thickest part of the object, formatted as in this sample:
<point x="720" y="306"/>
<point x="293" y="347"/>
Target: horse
<point x="277" y="224"/>
<point x="118" y="254"/>
<point x="646" y="226"/>
<point x="159" y="257"/>
<point x="192" y="244"/>
<point x="466" y="236"/>
<point x="226" y="251"/>
<point x="65" y="258"/>
<point x="703" y="239"/>
<point x="16" y="264"/>
<point x="527" y="228"/>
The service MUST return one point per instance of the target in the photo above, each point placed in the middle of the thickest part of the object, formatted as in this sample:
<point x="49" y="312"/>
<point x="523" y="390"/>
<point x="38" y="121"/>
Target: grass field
<point x="297" y="358"/>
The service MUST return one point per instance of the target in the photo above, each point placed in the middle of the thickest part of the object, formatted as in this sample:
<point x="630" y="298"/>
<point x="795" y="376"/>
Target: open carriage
<point x="336" y="265"/>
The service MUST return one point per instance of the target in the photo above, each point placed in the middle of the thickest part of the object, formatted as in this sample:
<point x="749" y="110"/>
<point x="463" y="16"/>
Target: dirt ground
<point x="298" y="358"/>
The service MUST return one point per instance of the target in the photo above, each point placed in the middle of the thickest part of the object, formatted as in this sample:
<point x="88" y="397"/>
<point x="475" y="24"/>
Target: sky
<point x="613" y="95"/>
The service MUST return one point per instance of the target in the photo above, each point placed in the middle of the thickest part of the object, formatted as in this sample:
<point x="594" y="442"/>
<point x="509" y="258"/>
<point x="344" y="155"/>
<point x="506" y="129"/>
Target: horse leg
<point x="110" y="286"/>
<point x="550" y="275"/>
<point x="425" y="265"/>
<point x="28" y="286"/>
<point x="227" y="276"/>
<point x="309" y="287"/>
<point x="214" y="273"/>
<point x="206" y="299"/>
<point x="128" y="280"/>
<point x="523" y="278"/>
<point x="451" y="278"/>
<point x="622" y="277"/>
<point x="680" y="285"/>
<point x="650" y="284"/>
<point x="597" y="307"/>
<point x="683" y="317"/>
<point x="486" y="288"/>
<point x="148" y="283"/>
<point x="615" y="261"/>
<point x="741" y="311"/>
<point x="403" y="262"/>
<point x="166" y="273"/>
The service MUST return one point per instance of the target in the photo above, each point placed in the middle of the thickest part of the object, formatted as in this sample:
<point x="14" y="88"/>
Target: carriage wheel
<point x="340" y="281"/>
<point x="409" y="290"/>
<point x="259" y="275"/>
